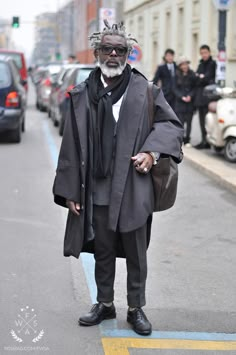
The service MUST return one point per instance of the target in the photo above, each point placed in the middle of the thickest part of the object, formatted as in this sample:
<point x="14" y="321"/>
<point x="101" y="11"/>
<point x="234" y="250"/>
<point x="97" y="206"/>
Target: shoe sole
<point x="144" y="332"/>
<point x="86" y="324"/>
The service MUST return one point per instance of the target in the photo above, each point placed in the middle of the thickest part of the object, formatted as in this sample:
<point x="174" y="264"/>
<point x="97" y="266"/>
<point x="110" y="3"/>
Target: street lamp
<point x="222" y="7"/>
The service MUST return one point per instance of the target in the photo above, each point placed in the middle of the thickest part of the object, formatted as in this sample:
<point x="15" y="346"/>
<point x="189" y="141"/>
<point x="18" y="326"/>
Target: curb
<point x="214" y="166"/>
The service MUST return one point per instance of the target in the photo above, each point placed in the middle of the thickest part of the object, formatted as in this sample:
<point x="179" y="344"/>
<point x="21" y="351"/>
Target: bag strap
<point x="150" y="103"/>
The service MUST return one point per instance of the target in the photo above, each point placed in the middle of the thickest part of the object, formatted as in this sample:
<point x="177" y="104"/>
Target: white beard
<point x="111" y="72"/>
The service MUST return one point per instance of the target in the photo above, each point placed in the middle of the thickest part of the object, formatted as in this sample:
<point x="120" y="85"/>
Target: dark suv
<point x="12" y="99"/>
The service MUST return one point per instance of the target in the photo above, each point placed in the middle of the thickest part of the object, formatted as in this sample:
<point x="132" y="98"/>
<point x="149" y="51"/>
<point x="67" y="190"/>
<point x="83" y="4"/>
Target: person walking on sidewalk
<point x="205" y="76"/>
<point x="184" y="90"/>
<point x="103" y="175"/>
<point x="165" y="74"/>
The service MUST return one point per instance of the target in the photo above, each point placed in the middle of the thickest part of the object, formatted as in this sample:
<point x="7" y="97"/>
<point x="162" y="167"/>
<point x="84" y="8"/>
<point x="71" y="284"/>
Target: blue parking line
<point x="128" y="333"/>
<point x="109" y="328"/>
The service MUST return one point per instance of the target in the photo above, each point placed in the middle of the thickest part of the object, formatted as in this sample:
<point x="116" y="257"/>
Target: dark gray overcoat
<point x="132" y="198"/>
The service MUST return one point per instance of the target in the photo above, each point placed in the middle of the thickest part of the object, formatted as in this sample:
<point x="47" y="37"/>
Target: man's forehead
<point x="114" y="40"/>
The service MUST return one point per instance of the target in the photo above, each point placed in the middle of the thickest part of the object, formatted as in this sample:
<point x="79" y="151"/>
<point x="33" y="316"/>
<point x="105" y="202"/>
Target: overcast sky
<point x="27" y="10"/>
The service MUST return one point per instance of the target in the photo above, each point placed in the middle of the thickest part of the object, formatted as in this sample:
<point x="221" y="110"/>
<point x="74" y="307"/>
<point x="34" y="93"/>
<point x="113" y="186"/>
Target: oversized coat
<point x="132" y="198"/>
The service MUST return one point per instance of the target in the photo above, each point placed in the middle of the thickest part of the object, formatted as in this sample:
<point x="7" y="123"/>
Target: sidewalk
<point x="213" y="165"/>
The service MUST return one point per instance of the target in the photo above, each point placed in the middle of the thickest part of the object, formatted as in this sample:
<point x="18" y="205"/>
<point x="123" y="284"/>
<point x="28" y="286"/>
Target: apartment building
<point x="182" y="25"/>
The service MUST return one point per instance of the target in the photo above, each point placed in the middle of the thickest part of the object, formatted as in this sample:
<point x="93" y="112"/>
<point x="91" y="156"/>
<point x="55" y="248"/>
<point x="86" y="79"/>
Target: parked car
<point x="75" y="76"/>
<point x="20" y="62"/>
<point x="44" y="86"/>
<point x="53" y="108"/>
<point x="12" y="99"/>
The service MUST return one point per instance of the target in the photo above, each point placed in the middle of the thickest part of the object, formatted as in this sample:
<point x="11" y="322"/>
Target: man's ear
<point x="95" y="53"/>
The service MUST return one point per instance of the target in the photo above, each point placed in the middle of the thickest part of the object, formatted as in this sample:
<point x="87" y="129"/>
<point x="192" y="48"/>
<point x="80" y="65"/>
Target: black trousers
<point x="186" y="119"/>
<point x="202" y="120"/>
<point x="135" y="248"/>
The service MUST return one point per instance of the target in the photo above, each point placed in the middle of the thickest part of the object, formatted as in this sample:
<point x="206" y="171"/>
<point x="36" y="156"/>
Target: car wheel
<point x="230" y="150"/>
<point x="16" y="134"/>
<point x="23" y="125"/>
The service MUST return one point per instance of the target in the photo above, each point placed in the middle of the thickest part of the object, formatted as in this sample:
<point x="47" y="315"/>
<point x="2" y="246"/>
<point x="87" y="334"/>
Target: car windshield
<point x="82" y="75"/>
<point x="5" y="77"/>
<point x="16" y="57"/>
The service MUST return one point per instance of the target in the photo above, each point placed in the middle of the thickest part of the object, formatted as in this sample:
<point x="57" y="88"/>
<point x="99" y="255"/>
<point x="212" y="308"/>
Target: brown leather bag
<point x="165" y="172"/>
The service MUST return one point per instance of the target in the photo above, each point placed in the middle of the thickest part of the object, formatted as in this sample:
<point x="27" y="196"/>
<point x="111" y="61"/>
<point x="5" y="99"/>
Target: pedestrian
<point x="184" y="90"/>
<point x="165" y="74"/>
<point x="71" y="59"/>
<point x="205" y="74"/>
<point x="103" y="174"/>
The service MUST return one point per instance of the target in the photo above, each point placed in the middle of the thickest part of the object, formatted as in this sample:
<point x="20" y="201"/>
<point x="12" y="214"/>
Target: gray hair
<point x="116" y="29"/>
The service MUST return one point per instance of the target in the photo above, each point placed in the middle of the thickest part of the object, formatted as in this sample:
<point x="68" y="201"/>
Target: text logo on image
<point x="26" y="326"/>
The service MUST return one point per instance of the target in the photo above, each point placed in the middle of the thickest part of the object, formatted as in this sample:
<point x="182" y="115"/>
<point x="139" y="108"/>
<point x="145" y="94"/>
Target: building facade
<point x="183" y="25"/>
<point x="46" y="38"/>
<point x="87" y="21"/>
<point x="5" y="34"/>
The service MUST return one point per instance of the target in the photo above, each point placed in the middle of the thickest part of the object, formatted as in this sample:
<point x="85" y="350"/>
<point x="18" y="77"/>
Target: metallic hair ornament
<point x="115" y="29"/>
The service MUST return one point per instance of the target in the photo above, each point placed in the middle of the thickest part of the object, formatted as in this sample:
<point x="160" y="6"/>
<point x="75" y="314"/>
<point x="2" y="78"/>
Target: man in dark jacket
<point x="205" y="74"/>
<point x="165" y="74"/>
<point x="103" y="174"/>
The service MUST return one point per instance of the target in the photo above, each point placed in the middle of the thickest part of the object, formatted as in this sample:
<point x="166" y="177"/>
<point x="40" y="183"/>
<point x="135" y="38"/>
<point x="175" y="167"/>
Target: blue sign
<point x="135" y="55"/>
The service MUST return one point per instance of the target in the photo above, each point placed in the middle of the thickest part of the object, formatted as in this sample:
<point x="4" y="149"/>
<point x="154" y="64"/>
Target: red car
<point x="20" y="62"/>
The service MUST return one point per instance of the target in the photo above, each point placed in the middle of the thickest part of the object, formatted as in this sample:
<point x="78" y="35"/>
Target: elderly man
<point x="103" y="175"/>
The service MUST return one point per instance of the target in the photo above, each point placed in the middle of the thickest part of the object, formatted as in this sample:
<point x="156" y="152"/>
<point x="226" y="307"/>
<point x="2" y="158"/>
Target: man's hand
<point x="143" y="162"/>
<point x="74" y="207"/>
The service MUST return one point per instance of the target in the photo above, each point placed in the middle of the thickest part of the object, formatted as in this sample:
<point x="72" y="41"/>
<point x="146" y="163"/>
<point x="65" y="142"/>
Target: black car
<point x="75" y="76"/>
<point x="12" y="99"/>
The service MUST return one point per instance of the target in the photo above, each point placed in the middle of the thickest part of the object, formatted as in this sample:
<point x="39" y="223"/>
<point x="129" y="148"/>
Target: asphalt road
<point x="191" y="288"/>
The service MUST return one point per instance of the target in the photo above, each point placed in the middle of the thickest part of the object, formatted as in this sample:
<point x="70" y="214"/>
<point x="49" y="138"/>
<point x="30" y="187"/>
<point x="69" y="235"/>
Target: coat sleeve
<point x="67" y="181"/>
<point x="166" y="135"/>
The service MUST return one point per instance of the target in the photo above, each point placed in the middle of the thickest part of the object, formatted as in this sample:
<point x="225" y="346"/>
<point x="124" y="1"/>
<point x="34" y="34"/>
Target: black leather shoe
<point x="203" y="145"/>
<point x="139" y="321"/>
<point x="98" y="313"/>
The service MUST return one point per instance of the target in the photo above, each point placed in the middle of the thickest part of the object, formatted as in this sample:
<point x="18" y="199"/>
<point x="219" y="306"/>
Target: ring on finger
<point x="145" y="170"/>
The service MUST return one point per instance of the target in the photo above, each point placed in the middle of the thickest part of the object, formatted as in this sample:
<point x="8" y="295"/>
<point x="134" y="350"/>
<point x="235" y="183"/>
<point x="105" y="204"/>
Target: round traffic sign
<point x="135" y="55"/>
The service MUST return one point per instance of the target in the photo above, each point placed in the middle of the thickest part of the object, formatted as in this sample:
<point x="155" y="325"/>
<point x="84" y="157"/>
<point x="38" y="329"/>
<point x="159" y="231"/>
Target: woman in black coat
<point x="184" y="90"/>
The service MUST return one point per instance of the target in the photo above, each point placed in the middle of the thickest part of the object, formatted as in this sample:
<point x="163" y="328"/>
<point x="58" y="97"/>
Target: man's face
<point x="169" y="58"/>
<point x="112" y="55"/>
<point x="205" y="54"/>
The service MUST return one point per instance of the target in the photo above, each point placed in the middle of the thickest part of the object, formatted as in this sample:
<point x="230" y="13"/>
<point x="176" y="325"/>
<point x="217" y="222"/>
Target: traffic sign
<point x="222" y="4"/>
<point x="135" y="55"/>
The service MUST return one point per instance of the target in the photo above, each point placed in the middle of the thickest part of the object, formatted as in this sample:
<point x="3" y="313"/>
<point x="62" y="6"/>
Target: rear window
<point x="5" y="76"/>
<point x="16" y="57"/>
<point x="82" y="75"/>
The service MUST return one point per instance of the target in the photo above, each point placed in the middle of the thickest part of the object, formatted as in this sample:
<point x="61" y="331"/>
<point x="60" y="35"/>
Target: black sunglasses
<point x="107" y="50"/>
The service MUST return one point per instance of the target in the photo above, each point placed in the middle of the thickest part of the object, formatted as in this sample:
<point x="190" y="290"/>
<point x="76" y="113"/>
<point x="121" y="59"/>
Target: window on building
<point x="196" y="8"/>
<point x="195" y="49"/>
<point x="180" y="31"/>
<point x="140" y="30"/>
<point x="168" y="28"/>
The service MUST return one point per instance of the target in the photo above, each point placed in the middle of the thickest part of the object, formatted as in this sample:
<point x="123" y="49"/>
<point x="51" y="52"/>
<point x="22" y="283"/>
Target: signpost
<point x="222" y="6"/>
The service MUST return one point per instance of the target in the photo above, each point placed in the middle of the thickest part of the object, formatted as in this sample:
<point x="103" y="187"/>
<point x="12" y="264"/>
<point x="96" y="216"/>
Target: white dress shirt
<point x="117" y="105"/>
